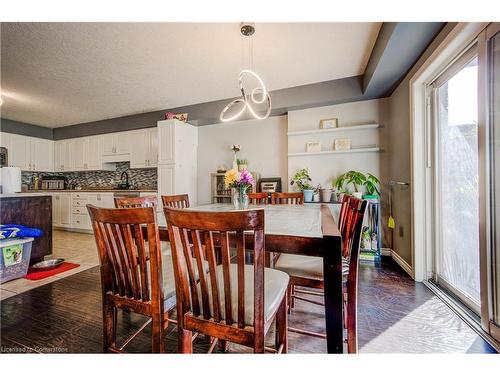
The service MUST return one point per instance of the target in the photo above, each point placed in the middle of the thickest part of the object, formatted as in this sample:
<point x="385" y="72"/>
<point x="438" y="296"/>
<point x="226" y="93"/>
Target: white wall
<point x="263" y="144"/>
<point x="324" y="168"/>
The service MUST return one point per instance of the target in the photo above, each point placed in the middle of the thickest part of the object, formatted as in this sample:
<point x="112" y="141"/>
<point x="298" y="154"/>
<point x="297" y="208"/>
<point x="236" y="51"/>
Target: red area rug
<point x="38" y="275"/>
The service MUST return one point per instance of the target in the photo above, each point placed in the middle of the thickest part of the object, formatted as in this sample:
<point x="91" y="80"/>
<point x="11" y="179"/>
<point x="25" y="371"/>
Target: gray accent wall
<point x="22" y="128"/>
<point x="399" y="157"/>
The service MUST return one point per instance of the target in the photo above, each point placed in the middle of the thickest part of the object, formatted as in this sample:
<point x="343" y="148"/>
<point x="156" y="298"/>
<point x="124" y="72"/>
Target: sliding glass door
<point x="456" y="177"/>
<point x="492" y="120"/>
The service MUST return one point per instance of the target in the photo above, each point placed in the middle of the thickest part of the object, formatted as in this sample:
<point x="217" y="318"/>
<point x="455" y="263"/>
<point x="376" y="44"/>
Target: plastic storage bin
<point x="14" y="258"/>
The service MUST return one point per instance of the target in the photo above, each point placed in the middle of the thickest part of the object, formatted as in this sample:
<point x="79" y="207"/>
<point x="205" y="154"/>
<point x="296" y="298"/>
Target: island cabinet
<point x="31" y="210"/>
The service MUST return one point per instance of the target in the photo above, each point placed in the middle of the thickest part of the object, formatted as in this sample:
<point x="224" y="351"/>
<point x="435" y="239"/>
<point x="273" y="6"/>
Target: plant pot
<point x="326" y="195"/>
<point x="316" y="197"/>
<point x="358" y="194"/>
<point x="308" y="195"/>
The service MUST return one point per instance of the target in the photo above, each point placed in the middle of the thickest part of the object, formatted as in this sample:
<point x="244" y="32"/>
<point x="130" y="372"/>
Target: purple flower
<point x="246" y="177"/>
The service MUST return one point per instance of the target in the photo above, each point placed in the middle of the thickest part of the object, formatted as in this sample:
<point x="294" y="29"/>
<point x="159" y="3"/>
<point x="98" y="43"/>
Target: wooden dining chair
<point x="134" y="202"/>
<point x="128" y="279"/>
<point x="287" y="198"/>
<point x="307" y="271"/>
<point x="175" y="201"/>
<point x="233" y="302"/>
<point x="258" y="198"/>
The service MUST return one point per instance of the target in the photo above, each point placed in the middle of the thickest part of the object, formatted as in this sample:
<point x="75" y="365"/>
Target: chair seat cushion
<point x="305" y="266"/>
<point x="275" y="285"/>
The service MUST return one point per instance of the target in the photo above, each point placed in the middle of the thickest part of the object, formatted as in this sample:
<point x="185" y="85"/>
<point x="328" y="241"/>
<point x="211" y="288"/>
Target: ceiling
<point x="59" y="74"/>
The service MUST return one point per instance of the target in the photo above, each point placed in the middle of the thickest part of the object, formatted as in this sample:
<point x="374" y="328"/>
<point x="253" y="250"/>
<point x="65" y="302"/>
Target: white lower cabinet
<point x="69" y="209"/>
<point x="61" y="210"/>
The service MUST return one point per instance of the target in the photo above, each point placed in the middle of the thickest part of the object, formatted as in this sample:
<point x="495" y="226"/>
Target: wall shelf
<point x="351" y="151"/>
<point x="332" y="130"/>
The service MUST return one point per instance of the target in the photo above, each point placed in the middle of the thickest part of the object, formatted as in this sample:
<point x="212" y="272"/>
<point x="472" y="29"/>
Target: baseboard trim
<point x="397" y="258"/>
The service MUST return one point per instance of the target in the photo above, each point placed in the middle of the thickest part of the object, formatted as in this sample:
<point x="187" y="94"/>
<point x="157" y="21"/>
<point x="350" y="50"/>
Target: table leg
<point x="332" y="273"/>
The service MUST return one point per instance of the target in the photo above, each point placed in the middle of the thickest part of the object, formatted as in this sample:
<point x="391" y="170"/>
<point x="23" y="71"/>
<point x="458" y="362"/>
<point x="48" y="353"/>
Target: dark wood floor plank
<point x="395" y="315"/>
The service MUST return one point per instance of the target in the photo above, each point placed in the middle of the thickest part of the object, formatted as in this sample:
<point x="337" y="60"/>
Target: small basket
<point x="14" y="258"/>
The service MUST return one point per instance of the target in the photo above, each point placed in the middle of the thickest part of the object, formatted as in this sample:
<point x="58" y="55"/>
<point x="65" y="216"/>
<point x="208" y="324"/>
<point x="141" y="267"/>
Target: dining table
<point x="303" y="230"/>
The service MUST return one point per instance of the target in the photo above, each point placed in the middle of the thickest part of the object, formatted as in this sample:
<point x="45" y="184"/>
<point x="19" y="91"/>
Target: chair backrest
<point x="124" y="253"/>
<point x="135" y="202"/>
<point x="258" y="198"/>
<point x="352" y="227"/>
<point x="206" y="231"/>
<point x="287" y="198"/>
<point x="175" y="201"/>
<point x="343" y="211"/>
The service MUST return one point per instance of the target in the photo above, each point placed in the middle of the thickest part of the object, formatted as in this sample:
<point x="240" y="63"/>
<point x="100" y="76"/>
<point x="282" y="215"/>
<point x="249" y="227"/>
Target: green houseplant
<point x="302" y="181"/>
<point x="358" y="180"/>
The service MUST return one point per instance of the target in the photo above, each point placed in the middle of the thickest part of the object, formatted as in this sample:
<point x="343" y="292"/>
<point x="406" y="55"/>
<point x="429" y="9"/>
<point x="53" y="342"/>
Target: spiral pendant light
<point x="249" y="98"/>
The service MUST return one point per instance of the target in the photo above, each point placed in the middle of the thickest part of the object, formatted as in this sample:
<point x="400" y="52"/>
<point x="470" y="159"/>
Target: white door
<point x="19" y="152"/>
<point x="153" y="147"/>
<point x="92" y="154"/>
<point x="107" y="144"/>
<point x="166" y="179"/>
<point x="122" y="142"/>
<point x="139" y="154"/>
<point x="42" y="155"/>
<point x="56" y="209"/>
<point x="166" y="147"/>
<point x="65" y="209"/>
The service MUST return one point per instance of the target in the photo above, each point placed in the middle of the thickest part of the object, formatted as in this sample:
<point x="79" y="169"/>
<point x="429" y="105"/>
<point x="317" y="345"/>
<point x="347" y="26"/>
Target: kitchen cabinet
<point x="61" y="210"/>
<point x="177" y="158"/>
<point x="92" y="154"/>
<point x="144" y="154"/>
<point x="115" y="143"/>
<point x="63" y="161"/>
<point x="28" y="153"/>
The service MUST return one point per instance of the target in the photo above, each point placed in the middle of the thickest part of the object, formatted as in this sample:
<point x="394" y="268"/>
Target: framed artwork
<point x="328" y="123"/>
<point x="342" y="144"/>
<point x="270" y="185"/>
<point x="313" y="146"/>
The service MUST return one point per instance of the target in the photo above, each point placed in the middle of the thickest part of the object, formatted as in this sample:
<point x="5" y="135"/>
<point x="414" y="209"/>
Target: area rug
<point x="38" y="275"/>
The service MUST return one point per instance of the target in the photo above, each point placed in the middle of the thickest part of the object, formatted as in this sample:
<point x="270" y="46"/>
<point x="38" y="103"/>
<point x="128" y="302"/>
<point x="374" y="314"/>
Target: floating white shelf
<point x="342" y="128"/>
<point x="352" y="150"/>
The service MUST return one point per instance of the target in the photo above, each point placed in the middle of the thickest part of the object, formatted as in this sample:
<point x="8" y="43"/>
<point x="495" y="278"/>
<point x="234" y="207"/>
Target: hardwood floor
<point x="395" y="316"/>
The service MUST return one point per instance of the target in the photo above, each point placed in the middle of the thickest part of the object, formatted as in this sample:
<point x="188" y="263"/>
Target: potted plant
<point x="242" y="164"/>
<point x="325" y="193"/>
<point x="372" y="184"/>
<point x="316" y="193"/>
<point x="302" y="180"/>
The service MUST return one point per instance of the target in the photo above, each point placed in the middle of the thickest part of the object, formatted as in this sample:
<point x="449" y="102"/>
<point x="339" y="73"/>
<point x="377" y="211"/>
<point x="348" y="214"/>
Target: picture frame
<point x="313" y="146"/>
<point x="270" y="185"/>
<point x="342" y="144"/>
<point x="329" y="123"/>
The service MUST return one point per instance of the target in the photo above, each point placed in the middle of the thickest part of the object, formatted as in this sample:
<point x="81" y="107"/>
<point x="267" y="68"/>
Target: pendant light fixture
<point x="249" y="99"/>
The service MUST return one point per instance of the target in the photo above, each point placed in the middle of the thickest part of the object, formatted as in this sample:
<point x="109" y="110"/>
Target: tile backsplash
<point x="138" y="178"/>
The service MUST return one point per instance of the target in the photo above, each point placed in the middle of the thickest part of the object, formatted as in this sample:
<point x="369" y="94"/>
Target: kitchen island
<point x="31" y="210"/>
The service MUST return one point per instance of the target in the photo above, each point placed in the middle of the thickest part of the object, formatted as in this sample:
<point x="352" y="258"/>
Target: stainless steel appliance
<point x="54" y="183"/>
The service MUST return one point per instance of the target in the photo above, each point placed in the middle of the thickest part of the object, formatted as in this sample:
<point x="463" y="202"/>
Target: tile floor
<point x="74" y="247"/>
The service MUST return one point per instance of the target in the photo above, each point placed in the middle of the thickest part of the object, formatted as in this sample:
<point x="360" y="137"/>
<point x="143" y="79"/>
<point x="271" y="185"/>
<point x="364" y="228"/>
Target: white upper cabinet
<point x="115" y="143"/>
<point x="62" y="160"/>
<point x="166" y="142"/>
<point x="76" y="149"/>
<point x="41" y="155"/>
<point x="28" y="153"/>
<point x="92" y="153"/>
<point x="144" y="154"/>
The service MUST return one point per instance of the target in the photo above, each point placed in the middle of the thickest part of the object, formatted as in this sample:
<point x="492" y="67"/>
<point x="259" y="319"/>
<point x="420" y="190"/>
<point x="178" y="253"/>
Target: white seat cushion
<point x="305" y="266"/>
<point x="275" y="285"/>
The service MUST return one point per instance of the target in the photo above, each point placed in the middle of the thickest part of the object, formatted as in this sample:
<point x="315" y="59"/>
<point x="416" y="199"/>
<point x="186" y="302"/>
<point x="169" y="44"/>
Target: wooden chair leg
<point x="109" y="318"/>
<point x="289" y="297"/>
<point x="185" y="341"/>
<point x="282" y="326"/>
<point x="292" y="297"/>
<point x="157" y="336"/>
<point x="352" y="334"/>
<point x="223" y="346"/>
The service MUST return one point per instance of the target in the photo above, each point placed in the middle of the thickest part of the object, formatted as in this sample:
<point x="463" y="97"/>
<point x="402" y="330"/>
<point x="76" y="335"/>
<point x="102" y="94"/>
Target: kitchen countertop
<point x="20" y="195"/>
<point x="93" y="191"/>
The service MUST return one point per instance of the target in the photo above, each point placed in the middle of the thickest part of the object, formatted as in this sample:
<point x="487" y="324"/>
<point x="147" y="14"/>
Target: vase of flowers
<point x="240" y="182"/>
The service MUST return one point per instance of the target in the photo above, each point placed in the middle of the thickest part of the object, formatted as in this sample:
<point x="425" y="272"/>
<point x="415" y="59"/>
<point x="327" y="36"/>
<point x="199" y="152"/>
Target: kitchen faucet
<point x="126" y="180"/>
